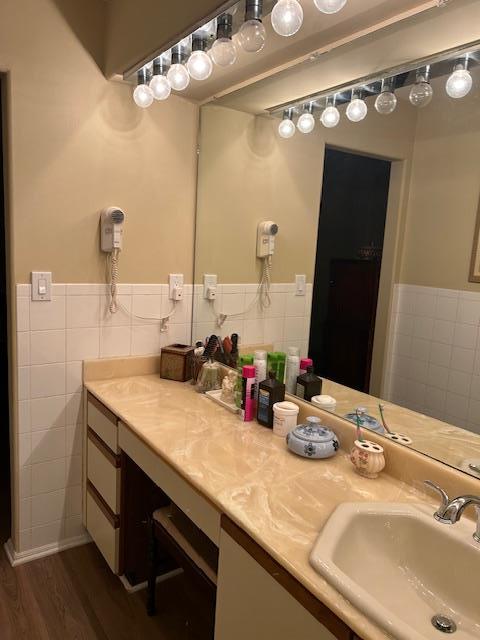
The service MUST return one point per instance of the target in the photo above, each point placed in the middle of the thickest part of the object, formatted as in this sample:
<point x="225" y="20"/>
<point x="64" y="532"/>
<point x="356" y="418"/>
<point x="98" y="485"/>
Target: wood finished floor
<point x="74" y="596"/>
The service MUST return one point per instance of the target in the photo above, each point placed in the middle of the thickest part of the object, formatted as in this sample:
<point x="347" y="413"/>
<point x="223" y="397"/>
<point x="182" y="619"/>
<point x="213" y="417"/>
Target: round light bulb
<point x="306" y="123"/>
<point x="178" y="77"/>
<point x="223" y="52"/>
<point x="357" y="110"/>
<point x="386" y="102"/>
<point x="421" y="93"/>
<point x="287" y="17"/>
<point x="286" y="128"/>
<point x="252" y="36"/>
<point x="200" y="65"/>
<point x="459" y="84"/>
<point x="330" y="117"/>
<point x="330" y="6"/>
<point x="160" y="87"/>
<point x="143" y="96"/>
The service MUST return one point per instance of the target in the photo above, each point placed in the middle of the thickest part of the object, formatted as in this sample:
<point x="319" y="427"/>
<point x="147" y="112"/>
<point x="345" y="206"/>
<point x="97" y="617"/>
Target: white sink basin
<point x="400" y="567"/>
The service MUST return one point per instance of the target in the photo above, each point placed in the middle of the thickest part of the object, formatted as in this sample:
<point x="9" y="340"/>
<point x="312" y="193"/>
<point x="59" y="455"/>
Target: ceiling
<point x="318" y="33"/>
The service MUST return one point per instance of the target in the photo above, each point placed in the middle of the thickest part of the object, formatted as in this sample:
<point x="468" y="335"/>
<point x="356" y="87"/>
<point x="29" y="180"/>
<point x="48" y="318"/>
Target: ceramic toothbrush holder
<point x="367" y="458"/>
<point x="401" y="438"/>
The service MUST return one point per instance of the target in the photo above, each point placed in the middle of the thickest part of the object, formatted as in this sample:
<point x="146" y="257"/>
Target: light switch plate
<point x="209" y="282"/>
<point x="42" y="286"/>
<point x="300" y="285"/>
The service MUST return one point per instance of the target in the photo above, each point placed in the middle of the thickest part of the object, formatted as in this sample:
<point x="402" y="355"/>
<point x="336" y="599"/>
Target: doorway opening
<point x="5" y="496"/>
<point x="351" y="231"/>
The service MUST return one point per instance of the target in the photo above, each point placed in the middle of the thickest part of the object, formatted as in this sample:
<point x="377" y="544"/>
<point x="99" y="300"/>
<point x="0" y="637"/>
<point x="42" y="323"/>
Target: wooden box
<point x="176" y="362"/>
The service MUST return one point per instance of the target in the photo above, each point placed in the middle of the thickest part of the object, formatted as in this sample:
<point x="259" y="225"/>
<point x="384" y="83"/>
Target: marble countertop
<point x="282" y="501"/>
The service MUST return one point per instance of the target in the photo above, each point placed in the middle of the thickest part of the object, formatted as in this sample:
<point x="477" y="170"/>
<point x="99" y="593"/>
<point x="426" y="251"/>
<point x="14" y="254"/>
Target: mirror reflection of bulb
<point x="286" y="128"/>
<point x="459" y="84"/>
<point x="200" y="65"/>
<point x="223" y="52"/>
<point x="306" y="123"/>
<point x="330" y="6"/>
<point x="287" y="17"/>
<point x="143" y="96"/>
<point x="357" y="110"/>
<point x="160" y="87"/>
<point x="178" y="77"/>
<point x="386" y="102"/>
<point x="330" y="117"/>
<point x="421" y="93"/>
<point x="252" y="36"/>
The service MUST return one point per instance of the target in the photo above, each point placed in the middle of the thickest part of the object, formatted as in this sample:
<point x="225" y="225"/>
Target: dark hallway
<point x="347" y="269"/>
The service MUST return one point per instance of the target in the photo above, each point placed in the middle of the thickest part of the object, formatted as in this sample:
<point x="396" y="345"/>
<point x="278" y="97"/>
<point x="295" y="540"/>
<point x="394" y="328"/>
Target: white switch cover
<point x="209" y="282"/>
<point x="300" y="285"/>
<point x="175" y="286"/>
<point x="42" y="285"/>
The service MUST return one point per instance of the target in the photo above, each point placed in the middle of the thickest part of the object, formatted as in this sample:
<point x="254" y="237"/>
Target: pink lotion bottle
<point x="248" y="393"/>
<point x="304" y="364"/>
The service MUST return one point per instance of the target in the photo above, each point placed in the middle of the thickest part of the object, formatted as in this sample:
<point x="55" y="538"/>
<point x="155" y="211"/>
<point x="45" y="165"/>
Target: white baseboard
<point x="143" y="585"/>
<point x="16" y="558"/>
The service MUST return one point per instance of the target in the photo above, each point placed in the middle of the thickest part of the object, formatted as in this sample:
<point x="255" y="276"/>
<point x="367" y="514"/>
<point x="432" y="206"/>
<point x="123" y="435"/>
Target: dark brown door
<point x="350" y="325"/>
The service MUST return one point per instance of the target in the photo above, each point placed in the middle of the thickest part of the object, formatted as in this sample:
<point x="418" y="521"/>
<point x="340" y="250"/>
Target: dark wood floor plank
<point x="124" y="616"/>
<point x="74" y="596"/>
<point x="58" y="600"/>
<point x="20" y="615"/>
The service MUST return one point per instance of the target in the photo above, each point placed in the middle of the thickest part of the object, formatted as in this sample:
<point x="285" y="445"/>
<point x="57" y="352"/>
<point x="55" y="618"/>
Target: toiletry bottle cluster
<point x="275" y="374"/>
<point x="263" y="378"/>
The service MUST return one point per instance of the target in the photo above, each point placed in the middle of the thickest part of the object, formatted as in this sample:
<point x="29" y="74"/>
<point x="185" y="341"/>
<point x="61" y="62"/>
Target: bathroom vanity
<point x="262" y="506"/>
<point x="241" y="612"/>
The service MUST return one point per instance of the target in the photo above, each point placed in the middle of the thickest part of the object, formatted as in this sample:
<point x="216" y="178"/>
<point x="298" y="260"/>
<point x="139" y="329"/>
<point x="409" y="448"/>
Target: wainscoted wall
<point x="286" y="323"/>
<point x="53" y="338"/>
<point x="434" y="364"/>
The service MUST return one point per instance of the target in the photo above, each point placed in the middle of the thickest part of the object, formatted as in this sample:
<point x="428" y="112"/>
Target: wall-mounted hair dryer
<point x="266" y="233"/>
<point x="111" y="235"/>
<point x="111" y="240"/>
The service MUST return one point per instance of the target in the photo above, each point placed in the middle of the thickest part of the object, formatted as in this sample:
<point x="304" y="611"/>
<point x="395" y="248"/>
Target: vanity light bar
<point x="211" y="43"/>
<point x="454" y="63"/>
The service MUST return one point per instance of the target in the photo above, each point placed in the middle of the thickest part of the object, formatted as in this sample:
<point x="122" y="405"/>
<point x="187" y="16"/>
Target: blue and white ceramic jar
<point x="311" y="440"/>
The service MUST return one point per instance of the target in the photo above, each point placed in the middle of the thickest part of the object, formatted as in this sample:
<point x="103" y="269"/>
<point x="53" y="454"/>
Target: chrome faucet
<point x="450" y="511"/>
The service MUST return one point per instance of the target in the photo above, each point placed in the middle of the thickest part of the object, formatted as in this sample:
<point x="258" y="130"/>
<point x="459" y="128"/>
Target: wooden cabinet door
<point x="252" y="604"/>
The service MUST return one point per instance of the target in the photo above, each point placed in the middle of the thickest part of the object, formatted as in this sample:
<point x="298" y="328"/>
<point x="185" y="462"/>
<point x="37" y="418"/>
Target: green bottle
<point x="281" y="362"/>
<point x="276" y="361"/>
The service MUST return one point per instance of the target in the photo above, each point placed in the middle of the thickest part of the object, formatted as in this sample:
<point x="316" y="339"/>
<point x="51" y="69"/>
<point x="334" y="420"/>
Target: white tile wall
<point x="285" y="323"/>
<point x="52" y="340"/>
<point x="434" y="363"/>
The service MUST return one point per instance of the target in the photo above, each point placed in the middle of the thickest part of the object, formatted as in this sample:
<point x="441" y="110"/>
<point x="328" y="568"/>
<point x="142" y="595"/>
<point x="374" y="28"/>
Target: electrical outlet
<point x="175" y="286"/>
<point x="210" y="286"/>
<point x="300" y="285"/>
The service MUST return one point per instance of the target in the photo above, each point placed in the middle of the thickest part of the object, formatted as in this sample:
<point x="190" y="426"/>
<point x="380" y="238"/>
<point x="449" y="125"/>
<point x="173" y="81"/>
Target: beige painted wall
<point x="247" y="173"/>
<point x="444" y="192"/>
<point x="79" y="143"/>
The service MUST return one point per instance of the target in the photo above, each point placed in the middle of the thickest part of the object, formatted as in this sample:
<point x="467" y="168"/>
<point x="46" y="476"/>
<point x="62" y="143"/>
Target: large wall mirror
<point x="374" y="273"/>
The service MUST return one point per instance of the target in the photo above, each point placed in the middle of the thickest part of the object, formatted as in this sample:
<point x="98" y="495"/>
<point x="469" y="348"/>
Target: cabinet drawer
<point x="104" y="475"/>
<point x="103" y="422"/>
<point x="200" y="511"/>
<point x="103" y="532"/>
